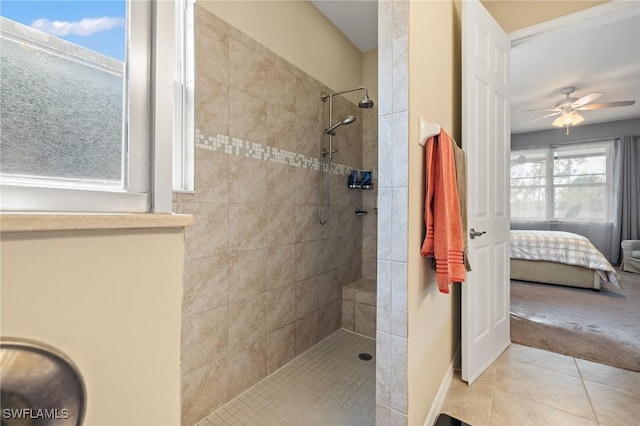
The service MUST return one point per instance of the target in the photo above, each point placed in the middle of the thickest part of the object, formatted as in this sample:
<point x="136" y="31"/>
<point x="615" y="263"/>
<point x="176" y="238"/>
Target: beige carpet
<point x="600" y="326"/>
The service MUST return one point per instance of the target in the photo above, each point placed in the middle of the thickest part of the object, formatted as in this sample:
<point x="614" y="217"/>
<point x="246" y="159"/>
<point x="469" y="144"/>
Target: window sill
<point x="27" y="222"/>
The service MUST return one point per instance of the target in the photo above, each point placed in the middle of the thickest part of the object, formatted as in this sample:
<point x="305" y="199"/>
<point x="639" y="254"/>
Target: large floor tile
<point x="508" y="410"/>
<point x="626" y="380"/>
<point x="544" y="386"/>
<point x="545" y="359"/>
<point x="471" y="404"/>
<point x="614" y="407"/>
<point x="528" y="386"/>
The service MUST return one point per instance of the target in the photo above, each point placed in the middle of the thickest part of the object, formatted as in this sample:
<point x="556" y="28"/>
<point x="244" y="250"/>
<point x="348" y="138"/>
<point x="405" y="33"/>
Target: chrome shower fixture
<point x="365" y="102"/>
<point x="331" y="130"/>
<point x="326" y="153"/>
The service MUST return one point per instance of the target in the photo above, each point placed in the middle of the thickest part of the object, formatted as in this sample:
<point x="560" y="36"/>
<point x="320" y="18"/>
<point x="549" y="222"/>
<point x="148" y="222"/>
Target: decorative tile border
<point x="257" y="151"/>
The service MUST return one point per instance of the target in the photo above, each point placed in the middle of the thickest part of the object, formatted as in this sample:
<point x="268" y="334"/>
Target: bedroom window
<point x="529" y="184"/>
<point x="569" y="183"/>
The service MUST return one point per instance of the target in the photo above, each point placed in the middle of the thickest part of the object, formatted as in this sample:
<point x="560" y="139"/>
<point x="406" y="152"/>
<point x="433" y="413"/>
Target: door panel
<point x="486" y="140"/>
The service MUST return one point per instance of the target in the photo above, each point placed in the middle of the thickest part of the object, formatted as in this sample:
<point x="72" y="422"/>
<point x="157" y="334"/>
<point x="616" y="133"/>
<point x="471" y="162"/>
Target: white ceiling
<point x="596" y="55"/>
<point x="357" y="19"/>
<point x="601" y="56"/>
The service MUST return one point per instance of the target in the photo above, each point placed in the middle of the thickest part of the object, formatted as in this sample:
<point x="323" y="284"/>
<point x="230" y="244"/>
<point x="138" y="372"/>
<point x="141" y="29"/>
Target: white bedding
<point x="561" y="247"/>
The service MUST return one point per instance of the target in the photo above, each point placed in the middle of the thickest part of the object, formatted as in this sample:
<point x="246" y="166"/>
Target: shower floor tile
<point x="327" y="385"/>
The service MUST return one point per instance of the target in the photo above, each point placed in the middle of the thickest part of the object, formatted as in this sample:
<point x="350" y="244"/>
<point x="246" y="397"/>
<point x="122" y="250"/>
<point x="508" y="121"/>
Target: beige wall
<point x="111" y="301"/>
<point x="517" y="14"/>
<point x="370" y="73"/>
<point x="434" y="318"/>
<point x="299" y="33"/>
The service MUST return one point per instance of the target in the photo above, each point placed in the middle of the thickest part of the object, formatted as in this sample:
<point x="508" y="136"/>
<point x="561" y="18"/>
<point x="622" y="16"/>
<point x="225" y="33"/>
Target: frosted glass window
<point x="87" y="122"/>
<point x="63" y="101"/>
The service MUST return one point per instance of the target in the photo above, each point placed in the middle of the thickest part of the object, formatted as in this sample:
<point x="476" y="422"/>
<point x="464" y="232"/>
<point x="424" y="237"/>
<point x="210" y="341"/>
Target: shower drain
<point x="365" y="357"/>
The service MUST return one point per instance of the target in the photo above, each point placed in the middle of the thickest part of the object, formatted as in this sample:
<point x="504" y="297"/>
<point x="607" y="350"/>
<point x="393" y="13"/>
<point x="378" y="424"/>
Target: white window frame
<point x="550" y="185"/>
<point x="184" y="99"/>
<point x="150" y="73"/>
<point x="608" y="184"/>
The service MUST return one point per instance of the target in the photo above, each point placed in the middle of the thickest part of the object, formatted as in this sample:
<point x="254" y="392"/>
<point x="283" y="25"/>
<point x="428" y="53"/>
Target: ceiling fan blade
<point x="544" y="109"/>
<point x="586" y="99"/>
<point x="540" y="118"/>
<point x="606" y="105"/>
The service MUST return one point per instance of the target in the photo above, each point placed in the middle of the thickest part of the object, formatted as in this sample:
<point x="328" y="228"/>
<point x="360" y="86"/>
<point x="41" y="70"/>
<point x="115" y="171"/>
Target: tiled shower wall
<point x="391" y="328"/>
<point x="369" y="197"/>
<point x="262" y="276"/>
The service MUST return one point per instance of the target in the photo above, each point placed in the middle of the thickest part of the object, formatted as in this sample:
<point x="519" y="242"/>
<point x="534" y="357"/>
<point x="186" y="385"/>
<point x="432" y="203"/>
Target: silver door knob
<point x="473" y="233"/>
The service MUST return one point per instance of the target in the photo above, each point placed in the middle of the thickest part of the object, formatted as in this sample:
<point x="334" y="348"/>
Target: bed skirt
<point x="554" y="273"/>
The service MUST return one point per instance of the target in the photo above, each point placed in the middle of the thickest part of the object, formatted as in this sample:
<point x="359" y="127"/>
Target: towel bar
<point x="427" y="130"/>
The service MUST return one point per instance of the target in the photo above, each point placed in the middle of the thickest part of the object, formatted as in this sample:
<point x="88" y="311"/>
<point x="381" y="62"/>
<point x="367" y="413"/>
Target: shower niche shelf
<point x="360" y="186"/>
<point x="360" y="179"/>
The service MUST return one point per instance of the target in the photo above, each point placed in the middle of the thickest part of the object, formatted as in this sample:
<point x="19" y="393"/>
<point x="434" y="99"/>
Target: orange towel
<point x="444" y="240"/>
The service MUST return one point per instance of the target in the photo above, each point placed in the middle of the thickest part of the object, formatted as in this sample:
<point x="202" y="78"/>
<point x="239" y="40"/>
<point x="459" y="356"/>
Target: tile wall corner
<point x="391" y="343"/>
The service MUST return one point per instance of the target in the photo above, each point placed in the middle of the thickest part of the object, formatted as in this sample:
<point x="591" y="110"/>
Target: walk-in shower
<point x="326" y="153"/>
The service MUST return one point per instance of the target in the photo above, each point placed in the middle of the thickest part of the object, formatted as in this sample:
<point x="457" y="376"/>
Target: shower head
<point x="348" y="119"/>
<point x="331" y="130"/>
<point x="366" y="101"/>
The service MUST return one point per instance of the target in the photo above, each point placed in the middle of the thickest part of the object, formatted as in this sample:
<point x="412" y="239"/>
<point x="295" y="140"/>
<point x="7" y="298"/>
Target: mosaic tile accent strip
<point x="257" y="151"/>
<point x="327" y="385"/>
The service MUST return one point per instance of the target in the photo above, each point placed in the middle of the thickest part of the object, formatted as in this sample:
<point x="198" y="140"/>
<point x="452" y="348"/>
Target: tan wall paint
<point x="298" y="32"/>
<point x="111" y="300"/>
<point x="434" y="87"/>
<point x="370" y="73"/>
<point x="517" y="14"/>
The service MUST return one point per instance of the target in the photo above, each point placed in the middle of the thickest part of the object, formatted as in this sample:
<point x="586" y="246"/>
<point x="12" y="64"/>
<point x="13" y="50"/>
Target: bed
<point x="561" y="258"/>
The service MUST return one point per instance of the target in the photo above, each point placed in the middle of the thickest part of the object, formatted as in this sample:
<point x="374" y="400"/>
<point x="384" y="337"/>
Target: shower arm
<point x="331" y="95"/>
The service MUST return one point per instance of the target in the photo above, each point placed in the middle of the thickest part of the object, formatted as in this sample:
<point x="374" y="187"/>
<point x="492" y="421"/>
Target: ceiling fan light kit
<point x="568" y="119"/>
<point x="567" y="109"/>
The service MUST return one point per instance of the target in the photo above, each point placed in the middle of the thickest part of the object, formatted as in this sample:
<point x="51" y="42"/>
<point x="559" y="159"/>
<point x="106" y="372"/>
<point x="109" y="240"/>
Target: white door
<point x="486" y="140"/>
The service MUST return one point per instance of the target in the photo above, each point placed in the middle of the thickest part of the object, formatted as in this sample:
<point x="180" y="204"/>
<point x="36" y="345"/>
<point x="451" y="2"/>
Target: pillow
<point x="635" y="254"/>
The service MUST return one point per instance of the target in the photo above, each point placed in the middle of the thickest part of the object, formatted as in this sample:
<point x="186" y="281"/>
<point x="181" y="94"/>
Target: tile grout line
<point x="581" y="380"/>
<point x="564" y="374"/>
<point x="586" y="391"/>
<point x="493" y="393"/>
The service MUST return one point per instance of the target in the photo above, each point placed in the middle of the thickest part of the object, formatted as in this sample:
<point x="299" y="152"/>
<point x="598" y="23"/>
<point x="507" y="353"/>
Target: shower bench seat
<point x="359" y="307"/>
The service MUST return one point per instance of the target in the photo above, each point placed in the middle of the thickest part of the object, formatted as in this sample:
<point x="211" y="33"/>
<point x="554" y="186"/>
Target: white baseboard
<point x="432" y="416"/>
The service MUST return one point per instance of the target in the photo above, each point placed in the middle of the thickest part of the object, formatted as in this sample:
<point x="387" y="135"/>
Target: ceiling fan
<point x="568" y="108"/>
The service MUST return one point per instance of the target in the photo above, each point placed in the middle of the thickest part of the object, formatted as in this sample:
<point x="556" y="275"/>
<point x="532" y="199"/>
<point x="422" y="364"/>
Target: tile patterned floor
<point x="528" y="386"/>
<point x="327" y="385"/>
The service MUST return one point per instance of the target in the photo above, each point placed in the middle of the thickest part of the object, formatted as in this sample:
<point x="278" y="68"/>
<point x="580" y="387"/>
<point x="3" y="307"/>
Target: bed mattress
<point x="562" y="248"/>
